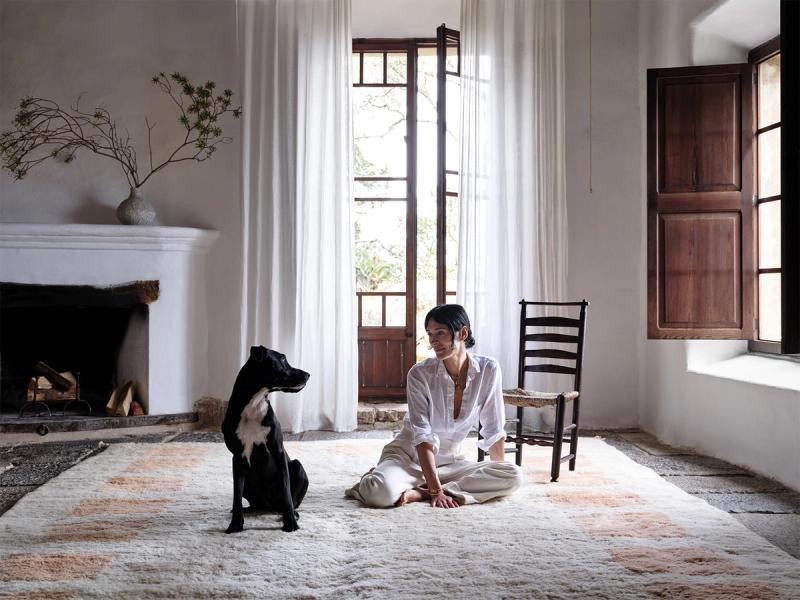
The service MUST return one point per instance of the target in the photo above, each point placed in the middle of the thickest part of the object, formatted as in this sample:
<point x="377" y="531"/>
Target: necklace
<point x="460" y="379"/>
<point x="459" y="383"/>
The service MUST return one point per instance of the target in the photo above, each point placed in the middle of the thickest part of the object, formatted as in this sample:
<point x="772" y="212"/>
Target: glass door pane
<point x="769" y="307"/>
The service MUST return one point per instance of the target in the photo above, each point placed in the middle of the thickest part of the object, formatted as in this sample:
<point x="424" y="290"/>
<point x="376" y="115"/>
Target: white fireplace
<point x="174" y="342"/>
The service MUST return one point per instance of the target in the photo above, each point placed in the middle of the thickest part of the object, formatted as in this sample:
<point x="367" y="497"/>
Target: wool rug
<point x="147" y="521"/>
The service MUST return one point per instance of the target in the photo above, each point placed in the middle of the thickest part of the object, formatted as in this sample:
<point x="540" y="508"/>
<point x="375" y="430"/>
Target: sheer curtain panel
<point x="298" y="279"/>
<point x="513" y="223"/>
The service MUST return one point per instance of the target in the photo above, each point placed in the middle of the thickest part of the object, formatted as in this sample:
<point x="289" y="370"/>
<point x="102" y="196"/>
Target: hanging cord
<point x="590" y="96"/>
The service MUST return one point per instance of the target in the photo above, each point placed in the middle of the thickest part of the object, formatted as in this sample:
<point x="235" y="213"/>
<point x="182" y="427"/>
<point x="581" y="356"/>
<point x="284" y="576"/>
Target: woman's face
<point x="441" y="340"/>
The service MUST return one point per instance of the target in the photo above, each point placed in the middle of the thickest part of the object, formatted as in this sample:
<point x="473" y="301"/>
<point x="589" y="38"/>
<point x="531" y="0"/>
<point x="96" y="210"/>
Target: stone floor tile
<point x="733" y="484"/>
<point x="58" y="452"/>
<point x="784" y="503"/>
<point x="10" y="494"/>
<point x="31" y="474"/>
<point x="650" y="444"/>
<point x="781" y="530"/>
<point x="688" y="465"/>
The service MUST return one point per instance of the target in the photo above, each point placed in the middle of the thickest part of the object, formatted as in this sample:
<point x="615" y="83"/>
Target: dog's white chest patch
<point x="250" y="430"/>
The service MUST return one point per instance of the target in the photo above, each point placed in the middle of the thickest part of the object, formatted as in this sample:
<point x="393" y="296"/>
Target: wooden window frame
<point x="755" y="57"/>
<point x="788" y="45"/>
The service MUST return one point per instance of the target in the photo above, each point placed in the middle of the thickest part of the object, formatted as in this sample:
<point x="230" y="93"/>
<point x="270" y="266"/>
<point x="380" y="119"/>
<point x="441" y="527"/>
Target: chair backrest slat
<point x="552" y="337"/>
<point x="551" y="353"/>
<point x="552" y="322"/>
<point x="548" y="368"/>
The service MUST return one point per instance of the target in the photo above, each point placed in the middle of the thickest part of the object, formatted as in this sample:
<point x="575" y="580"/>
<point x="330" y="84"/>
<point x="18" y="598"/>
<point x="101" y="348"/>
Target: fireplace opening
<point x="96" y="338"/>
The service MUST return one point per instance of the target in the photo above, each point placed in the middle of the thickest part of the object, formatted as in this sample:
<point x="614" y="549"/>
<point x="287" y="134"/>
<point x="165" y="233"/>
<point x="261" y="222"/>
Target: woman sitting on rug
<point x="446" y="396"/>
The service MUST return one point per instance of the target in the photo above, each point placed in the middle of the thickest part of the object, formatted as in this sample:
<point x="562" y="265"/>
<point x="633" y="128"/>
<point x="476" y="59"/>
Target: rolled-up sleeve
<point x="418" y="395"/>
<point x="492" y="411"/>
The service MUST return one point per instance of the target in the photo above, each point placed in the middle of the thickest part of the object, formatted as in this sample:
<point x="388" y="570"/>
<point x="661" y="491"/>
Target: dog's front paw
<point x="290" y="523"/>
<point x="237" y="524"/>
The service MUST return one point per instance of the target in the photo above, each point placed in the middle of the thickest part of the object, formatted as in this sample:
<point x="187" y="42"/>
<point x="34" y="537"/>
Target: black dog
<point x="262" y="471"/>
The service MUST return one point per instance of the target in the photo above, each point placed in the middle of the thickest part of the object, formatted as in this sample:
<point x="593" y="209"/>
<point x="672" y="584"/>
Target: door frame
<point x="405" y="335"/>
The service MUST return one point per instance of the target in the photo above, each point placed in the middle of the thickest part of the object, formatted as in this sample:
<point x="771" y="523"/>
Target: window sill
<point x="730" y="360"/>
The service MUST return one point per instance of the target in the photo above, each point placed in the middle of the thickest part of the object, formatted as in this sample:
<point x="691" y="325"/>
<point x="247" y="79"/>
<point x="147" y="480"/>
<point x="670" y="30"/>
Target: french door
<point x="405" y="245"/>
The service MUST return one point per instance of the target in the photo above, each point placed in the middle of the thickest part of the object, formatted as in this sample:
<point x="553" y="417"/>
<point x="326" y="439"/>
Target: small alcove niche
<point x="99" y="335"/>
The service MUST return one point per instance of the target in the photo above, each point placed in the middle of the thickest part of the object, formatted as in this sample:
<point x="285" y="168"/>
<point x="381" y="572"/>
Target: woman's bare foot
<point x="412" y="495"/>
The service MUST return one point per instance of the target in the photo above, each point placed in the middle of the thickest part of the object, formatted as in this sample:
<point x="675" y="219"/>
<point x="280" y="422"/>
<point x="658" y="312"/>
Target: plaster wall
<point x="108" y="51"/>
<point x="603" y="156"/>
<point x="751" y="425"/>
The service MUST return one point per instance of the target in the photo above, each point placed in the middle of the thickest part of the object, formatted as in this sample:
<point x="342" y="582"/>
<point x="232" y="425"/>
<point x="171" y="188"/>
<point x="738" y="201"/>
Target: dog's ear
<point x="259" y="353"/>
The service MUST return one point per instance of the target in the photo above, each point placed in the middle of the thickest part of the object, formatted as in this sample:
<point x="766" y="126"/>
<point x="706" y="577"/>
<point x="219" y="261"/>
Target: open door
<point x="402" y="88"/>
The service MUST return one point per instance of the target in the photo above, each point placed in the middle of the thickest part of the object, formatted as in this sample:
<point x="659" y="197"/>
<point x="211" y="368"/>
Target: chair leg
<point x="518" y="453"/>
<point x="573" y="444"/>
<point x="481" y="453"/>
<point x="558" y="438"/>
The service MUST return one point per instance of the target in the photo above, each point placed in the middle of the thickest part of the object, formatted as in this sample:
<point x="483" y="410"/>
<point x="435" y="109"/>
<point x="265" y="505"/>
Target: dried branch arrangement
<point x="43" y="130"/>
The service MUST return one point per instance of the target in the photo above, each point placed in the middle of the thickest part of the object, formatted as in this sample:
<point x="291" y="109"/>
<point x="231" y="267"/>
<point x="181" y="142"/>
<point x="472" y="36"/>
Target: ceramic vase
<point x="135" y="210"/>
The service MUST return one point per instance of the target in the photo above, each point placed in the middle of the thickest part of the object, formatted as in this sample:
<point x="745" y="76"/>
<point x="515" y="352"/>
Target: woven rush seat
<point x="533" y="399"/>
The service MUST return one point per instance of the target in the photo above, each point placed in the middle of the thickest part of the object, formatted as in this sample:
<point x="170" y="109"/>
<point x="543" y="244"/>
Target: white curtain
<point x="513" y="223"/>
<point x="298" y="280"/>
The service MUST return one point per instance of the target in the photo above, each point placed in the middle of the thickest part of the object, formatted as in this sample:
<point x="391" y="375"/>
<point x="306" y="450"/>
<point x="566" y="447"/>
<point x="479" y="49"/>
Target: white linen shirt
<point x="430" y="392"/>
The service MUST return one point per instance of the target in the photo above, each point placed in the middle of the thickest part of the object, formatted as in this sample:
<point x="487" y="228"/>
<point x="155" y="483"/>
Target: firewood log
<point x="62" y="384"/>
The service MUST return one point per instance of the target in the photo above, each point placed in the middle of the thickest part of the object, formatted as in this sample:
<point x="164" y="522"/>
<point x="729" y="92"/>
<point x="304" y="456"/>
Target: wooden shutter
<point x="700" y="226"/>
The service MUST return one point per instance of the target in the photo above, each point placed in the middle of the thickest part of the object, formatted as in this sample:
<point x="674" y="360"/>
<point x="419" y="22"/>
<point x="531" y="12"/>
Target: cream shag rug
<point x="146" y="521"/>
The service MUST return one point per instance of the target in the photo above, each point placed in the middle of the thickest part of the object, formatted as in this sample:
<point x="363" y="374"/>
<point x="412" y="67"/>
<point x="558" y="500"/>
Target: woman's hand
<point x="442" y="500"/>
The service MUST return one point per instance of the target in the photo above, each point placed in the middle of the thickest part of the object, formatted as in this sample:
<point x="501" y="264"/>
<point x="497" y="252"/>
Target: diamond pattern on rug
<point x="179" y="451"/>
<point x="31" y="566"/>
<point x="685" y="561"/>
<point x="120" y="506"/>
<point x="121" y="530"/>
<point x="164" y="463"/>
<point x="714" y="591"/>
<point x="131" y="483"/>
<point x="653" y="525"/>
<point x="609" y="499"/>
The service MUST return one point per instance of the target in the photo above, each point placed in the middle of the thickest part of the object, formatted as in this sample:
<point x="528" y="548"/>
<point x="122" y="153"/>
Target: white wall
<point x="109" y="50"/>
<point x="751" y="425"/>
<point x="605" y="265"/>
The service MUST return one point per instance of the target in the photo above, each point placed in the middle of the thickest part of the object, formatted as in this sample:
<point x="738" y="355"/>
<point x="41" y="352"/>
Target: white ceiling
<point x="745" y="23"/>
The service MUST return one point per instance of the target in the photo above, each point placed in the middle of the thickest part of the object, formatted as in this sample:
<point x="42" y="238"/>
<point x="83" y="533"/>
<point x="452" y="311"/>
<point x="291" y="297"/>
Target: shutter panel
<point x="700" y="226"/>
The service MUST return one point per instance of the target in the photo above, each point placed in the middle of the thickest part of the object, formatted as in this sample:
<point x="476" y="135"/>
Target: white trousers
<point x="467" y="481"/>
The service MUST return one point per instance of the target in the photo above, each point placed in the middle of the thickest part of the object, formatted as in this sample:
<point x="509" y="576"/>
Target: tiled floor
<point x="764" y="506"/>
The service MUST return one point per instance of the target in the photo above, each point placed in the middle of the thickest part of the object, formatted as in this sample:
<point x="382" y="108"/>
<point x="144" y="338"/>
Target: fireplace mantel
<point x="105" y="237"/>
<point x="176" y="360"/>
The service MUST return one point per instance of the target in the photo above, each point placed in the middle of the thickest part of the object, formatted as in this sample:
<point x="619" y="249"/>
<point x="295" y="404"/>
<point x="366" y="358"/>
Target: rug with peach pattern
<point x="145" y="521"/>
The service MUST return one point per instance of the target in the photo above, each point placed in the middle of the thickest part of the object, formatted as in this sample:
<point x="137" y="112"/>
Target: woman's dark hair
<point x="454" y="317"/>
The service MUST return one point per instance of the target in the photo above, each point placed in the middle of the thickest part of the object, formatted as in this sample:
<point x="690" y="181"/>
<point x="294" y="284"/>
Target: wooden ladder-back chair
<point x="538" y="345"/>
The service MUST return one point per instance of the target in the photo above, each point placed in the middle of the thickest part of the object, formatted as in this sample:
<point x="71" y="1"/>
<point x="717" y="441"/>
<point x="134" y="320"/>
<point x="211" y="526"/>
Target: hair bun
<point x="470" y="341"/>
